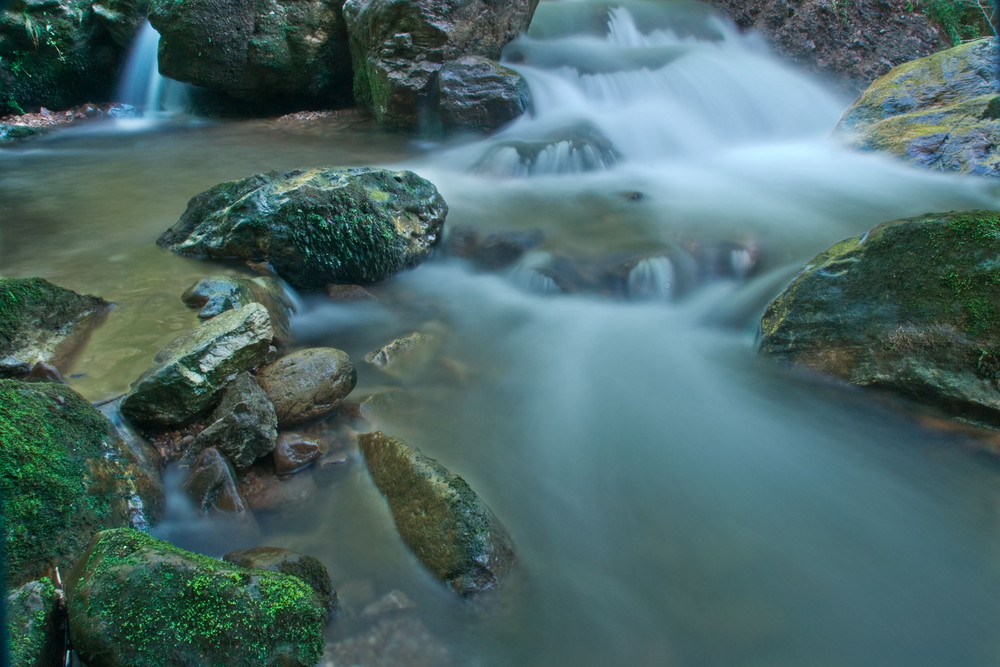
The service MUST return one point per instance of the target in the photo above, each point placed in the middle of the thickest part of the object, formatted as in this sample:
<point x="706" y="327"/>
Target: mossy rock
<point x="285" y="561"/>
<point x="64" y="475"/>
<point x="139" y="601"/>
<point x="938" y="112"/>
<point x="912" y="306"/>
<point x="446" y="525"/>
<point x="34" y="636"/>
<point x="218" y="294"/>
<point x="40" y="321"/>
<point x="317" y="226"/>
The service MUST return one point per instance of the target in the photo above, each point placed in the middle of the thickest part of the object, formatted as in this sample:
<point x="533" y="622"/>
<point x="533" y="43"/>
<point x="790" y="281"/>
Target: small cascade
<point x="652" y="278"/>
<point x="142" y="86"/>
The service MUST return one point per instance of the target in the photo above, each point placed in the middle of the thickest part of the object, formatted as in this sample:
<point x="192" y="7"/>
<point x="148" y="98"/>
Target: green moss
<point x="962" y="20"/>
<point x="31" y="623"/>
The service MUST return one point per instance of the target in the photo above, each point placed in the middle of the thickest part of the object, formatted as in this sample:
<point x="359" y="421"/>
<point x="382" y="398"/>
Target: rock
<point x="388" y="603"/>
<point x="34" y="635"/>
<point x="191" y="370"/>
<point x="479" y="94"/>
<point x="308" y="384"/>
<point x="579" y="147"/>
<point x="211" y="486"/>
<point x="136" y="600"/>
<point x="396" y="638"/>
<point x="277" y="53"/>
<point x="851" y="42"/>
<point x="244" y="426"/>
<point x="294" y="452"/>
<point x="940" y="112"/>
<point x="406" y="358"/>
<point x="221" y="293"/>
<point x="912" y="306"/>
<point x="266" y="492"/>
<point x="315" y="227"/>
<point x="285" y="561"/>
<point x="441" y="519"/>
<point x="42" y="322"/>
<point x="64" y="475"/>
<point x="349" y="293"/>
<point x="497" y="251"/>
<point x="399" y="48"/>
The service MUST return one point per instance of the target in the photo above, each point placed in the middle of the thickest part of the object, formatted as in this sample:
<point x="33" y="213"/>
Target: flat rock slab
<point x="446" y="525"/>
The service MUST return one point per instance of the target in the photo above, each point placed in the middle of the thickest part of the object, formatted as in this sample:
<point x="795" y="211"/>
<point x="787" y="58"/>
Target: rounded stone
<point x="307" y="384"/>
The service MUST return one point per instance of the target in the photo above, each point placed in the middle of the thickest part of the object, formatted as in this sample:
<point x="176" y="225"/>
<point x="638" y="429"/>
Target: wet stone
<point x="244" y="426"/>
<point x="308" y="384"/>
<point x="266" y="492"/>
<point x="285" y="561"/>
<point x="295" y="452"/>
<point x="211" y="485"/>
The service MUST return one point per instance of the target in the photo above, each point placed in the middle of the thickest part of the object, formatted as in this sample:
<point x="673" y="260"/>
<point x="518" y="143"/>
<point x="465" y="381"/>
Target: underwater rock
<point x="446" y="525"/>
<point x="318" y="226"/>
<point x="64" y="475"/>
<point x="34" y="635"/>
<point x="266" y="492"/>
<point x="140" y="601"/>
<point x="285" y="561"/>
<point x="496" y="251"/>
<point x="912" y="306"/>
<point x="308" y="384"/>
<point x="221" y="293"/>
<point x="479" y="94"/>
<point x="192" y="369"/>
<point x="243" y="426"/>
<point x="940" y="112"/>
<point x="211" y="486"/>
<point x="39" y="322"/>
<point x="393" y="638"/>
<point x="407" y="357"/>
<point x="294" y="452"/>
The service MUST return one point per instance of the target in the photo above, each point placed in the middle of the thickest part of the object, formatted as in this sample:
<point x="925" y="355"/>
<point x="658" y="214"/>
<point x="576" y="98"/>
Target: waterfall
<point x="142" y="86"/>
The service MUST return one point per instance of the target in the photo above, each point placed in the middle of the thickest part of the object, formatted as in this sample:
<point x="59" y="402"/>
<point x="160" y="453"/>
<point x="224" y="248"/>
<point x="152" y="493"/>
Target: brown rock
<point x="308" y="384"/>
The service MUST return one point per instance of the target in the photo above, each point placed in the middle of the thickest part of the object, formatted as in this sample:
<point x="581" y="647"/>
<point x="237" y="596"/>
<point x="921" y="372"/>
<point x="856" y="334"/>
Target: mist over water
<point x="675" y="499"/>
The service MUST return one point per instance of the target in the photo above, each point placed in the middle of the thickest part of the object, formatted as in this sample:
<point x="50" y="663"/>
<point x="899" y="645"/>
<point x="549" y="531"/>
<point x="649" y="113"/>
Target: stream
<point x="675" y="499"/>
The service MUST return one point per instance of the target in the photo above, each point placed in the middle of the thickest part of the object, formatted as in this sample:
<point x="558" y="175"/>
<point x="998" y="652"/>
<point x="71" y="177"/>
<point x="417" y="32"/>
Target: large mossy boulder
<point x="317" y="226"/>
<point x="940" y="112"/>
<point x="912" y="306"/>
<point x="399" y="46"/>
<point x="191" y="371"/>
<point x="446" y="525"/>
<point x="60" y="53"/>
<point x="39" y="322"/>
<point x="137" y="601"/>
<point x="277" y="53"/>
<point x="65" y="474"/>
<point x="34" y="636"/>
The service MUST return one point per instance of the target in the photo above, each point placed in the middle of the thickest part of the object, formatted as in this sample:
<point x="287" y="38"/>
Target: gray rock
<point x="308" y="384"/>
<point x="285" y="561"/>
<point x="34" y="638"/>
<point x="243" y="426"/>
<point x="446" y="525"/>
<point x="221" y="293"/>
<point x="191" y="371"/>
<point x="407" y="357"/>
<point x="479" y="94"/>
<point x="315" y="227"/>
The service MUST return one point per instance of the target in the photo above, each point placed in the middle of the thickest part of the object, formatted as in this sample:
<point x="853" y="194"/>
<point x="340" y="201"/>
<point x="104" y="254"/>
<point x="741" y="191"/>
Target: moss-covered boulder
<point x="940" y="112"/>
<point x="286" y="561"/>
<point x="912" y="306"/>
<point x="40" y="321"/>
<point x="479" y="94"/>
<point x="446" y="525"/>
<point x="136" y="600"/>
<point x="34" y="635"/>
<point x="398" y="48"/>
<point x="64" y="475"/>
<point x="316" y="226"/>
<point x="283" y="54"/>
<point x="218" y="294"/>
<point x="191" y="371"/>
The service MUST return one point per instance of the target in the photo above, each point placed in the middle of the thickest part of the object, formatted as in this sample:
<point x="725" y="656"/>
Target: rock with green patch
<point x="139" y="601"/>
<point x="191" y="371"/>
<point x="479" y="94"/>
<point x="446" y="525"/>
<point x="42" y="322"/>
<point x="318" y="226"/>
<point x="243" y="426"/>
<point x="218" y="294"/>
<point x="940" y="112"/>
<point x="286" y="561"/>
<point x="64" y="475"/>
<point x="398" y="48"/>
<point x="912" y="306"/>
<point x="34" y="638"/>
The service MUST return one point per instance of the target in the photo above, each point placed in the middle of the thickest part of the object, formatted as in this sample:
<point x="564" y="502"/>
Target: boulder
<point x="446" y="525"/>
<point x="191" y="370"/>
<point x="42" y="322"/>
<point x="479" y="94"/>
<point x="64" y="475"/>
<point x="218" y="294"/>
<point x="285" y="561"/>
<point x="314" y="227"/>
<point x="243" y="426"/>
<point x="941" y="112"/>
<point x="308" y="384"/>
<point x="287" y="54"/>
<point x="34" y="635"/>
<point x="399" y="46"/>
<point x="136" y="600"/>
<point x="912" y="306"/>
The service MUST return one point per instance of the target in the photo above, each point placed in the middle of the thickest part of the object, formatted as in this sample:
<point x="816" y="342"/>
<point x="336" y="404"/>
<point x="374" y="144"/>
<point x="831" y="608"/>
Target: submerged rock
<point x="266" y="492"/>
<point x="138" y="601"/>
<point x="407" y="357"/>
<point x="446" y="525"/>
<point x="940" y="112"/>
<point x="211" y="486"/>
<point x="285" y="561"/>
<point x="308" y="384"/>
<point x="243" y="426"/>
<point x="479" y="94"/>
<point x="192" y="369"/>
<point x="221" y="293"/>
<point x="294" y="452"/>
<point x="64" y="475"/>
<point x="912" y="306"/>
<point x="34" y="635"/>
<point x="395" y="638"/>
<point x="315" y="227"/>
<point x="39" y="322"/>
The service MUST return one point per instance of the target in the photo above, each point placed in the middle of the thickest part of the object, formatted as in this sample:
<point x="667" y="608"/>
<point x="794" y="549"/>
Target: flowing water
<point x="675" y="499"/>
